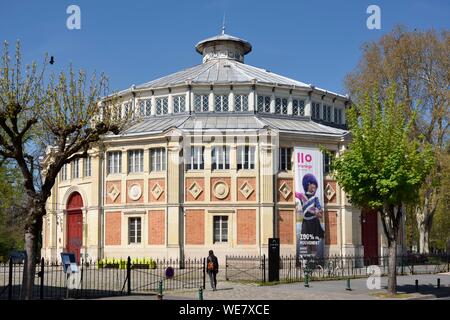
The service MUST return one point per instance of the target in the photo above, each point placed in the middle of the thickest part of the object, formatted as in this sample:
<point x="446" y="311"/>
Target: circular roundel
<point x="221" y="190"/>
<point x="135" y="192"/>
<point x="170" y="272"/>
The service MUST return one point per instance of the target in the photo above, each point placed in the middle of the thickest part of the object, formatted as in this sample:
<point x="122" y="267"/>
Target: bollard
<point x="160" y="290"/>
<point x="417" y="285"/>
<point x="438" y="283"/>
<point x="306" y="280"/>
<point x="200" y="293"/>
<point x="348" y="285"/>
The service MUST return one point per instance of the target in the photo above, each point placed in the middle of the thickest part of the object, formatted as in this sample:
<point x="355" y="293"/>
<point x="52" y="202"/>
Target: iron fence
<point x="247" y="268"/>
<point x="175" y="274"/>
<point x="96" y="279"/>
<point x="294" y="269"/>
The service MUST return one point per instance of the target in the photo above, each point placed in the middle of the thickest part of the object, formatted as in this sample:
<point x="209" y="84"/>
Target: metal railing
<point x="293" y="268"/>
<point x="96" y="279"/>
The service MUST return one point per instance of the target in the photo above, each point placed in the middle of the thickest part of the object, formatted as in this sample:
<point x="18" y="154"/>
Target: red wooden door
<point x="369" y="230"/>
<point x="74" y="225"/>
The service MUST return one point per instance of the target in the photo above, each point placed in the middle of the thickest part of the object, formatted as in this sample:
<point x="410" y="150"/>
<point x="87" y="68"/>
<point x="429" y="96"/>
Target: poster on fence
<point x="310" y="227"/>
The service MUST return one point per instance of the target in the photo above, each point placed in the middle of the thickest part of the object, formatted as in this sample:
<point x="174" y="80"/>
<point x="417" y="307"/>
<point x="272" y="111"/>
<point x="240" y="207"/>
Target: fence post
<point x="204" y="273"/>
<point x="129" y="275"/>
<point x="226" y="267"/>
<point x="403" y="262"/>
<point x="160" y="290"/>
<point x="41" y="288"/>
<point x="10" y="278"/>
<point x="264" y="268"/>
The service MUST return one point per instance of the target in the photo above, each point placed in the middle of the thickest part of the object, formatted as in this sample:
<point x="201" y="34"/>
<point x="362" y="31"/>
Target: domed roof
<point x="222" y="71"/>
<point x="223" y="63"/>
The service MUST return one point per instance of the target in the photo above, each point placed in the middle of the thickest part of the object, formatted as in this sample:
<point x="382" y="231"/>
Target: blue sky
<point x="137" y="41"/>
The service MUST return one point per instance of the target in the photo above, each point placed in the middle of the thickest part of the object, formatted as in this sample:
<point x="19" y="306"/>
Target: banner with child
<point x="310" y="227"/>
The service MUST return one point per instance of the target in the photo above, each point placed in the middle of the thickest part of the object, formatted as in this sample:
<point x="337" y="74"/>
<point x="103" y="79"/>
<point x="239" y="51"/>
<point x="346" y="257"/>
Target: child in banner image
<point x="311" y="210"/>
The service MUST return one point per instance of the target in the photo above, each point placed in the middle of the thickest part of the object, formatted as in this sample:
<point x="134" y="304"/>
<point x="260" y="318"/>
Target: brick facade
<point x="109" y="187"/>
<point x="290" y="186"/>
<point x="227" y="182"/>
<point x="153" y="195"/>
<point x="330" y="227"/>
<point x="286" y="226"/>
<point x="141" y="185"/>
<point x="201" y="183"/>
<point x="195" y="226"/>
<point x="113" y="228"/>
<point x="246" y="226"/>
<point x="156" y="227"/>
<point x="240" y="183"/>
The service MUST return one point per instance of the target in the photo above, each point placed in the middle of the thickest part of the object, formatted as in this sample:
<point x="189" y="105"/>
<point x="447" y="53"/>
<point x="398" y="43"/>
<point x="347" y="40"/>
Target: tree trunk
<point x="32" y="230"/>
<point x="29" y="269"/>
<point x="424" y="217"/>
<point x="423" y="239"/>
<point x="392" y="267"/>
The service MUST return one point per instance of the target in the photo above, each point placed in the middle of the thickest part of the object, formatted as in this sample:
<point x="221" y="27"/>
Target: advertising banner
<point x="310" y="227"/>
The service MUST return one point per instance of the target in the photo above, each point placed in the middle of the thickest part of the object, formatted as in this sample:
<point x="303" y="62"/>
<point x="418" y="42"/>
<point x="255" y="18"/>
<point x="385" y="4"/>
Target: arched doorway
<point x="74" y="218"/>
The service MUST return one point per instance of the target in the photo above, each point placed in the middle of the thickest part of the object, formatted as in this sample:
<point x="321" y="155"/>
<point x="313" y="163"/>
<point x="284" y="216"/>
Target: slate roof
<point x="231" y="121"/>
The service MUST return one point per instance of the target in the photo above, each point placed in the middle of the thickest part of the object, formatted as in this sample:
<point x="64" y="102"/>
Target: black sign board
<point x="18" y="256"/>
<point x="274" y="259"/>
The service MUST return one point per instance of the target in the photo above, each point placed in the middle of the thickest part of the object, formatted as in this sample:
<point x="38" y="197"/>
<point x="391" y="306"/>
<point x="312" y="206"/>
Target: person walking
<point x="212" y="267"/>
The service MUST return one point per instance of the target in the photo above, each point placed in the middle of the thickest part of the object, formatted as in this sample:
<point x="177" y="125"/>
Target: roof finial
<point x="223" y="23"/>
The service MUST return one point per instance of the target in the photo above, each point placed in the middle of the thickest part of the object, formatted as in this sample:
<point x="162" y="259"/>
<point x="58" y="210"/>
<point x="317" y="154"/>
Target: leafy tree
<point x="440" y="232"/>
<point x="60" y="119"/>
<point x="418" y="64"/>
<point x="11" y="205"/>
<point x="383" y="167"/>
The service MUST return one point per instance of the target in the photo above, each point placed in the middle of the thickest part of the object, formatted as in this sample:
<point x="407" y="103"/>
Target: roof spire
<point x="223" y="23"/>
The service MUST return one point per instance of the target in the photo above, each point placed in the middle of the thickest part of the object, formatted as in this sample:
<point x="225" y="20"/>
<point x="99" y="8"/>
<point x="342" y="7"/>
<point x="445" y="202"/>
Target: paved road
<point x="318" y="290"/>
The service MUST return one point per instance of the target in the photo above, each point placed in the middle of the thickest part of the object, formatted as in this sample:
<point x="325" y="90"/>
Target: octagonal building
<point x="209" y="165"/>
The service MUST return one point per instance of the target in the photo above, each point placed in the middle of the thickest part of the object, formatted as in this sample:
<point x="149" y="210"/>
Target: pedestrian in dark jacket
<point x="212" y="267"/>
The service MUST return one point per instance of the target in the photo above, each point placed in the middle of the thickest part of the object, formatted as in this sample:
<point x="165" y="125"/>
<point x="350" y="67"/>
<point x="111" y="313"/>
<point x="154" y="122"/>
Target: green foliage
<point x="382" y="166"/>
<point x="440" y="231"/>
<point x="122" y="263"/>
<point x="11" y="198"/>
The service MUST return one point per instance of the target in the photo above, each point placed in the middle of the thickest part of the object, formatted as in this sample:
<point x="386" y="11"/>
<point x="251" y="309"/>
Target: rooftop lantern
<point x="223" y="46"/>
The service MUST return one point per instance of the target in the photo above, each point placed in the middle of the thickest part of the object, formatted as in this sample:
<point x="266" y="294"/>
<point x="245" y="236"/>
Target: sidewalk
<point x="318" y="290"/>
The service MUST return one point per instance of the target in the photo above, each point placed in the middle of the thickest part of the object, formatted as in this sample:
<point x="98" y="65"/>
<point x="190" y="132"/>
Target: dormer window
<point x="221" y="103"/>
<point x="298" y="107"/>
<point x="201" y="103"/>
<point x="145" y="107"/>
<point x="315" y="112"/>
<point x="162" y="105"/>
<point x="241" y="102"/>
<point x="329" y="113"/>
<point x="340" y="120"/>
<point x="281" y="105"/>
<point x="263" y="104"/>
<point x="179" y="104"/>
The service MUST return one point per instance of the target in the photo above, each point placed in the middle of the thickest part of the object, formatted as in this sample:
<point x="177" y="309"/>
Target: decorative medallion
<point x="329" y="192"/>
<point x="220" y="190"/>
<point x="195" y="190"/>
<point x="246" y="189"/>
<point x="113" y="193"/>
<point x="285" y="190"/>
<point x="135" y="192"/>
<point x="157" y="191"/>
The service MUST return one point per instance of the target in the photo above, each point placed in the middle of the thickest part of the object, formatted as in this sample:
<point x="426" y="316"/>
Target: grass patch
<point x="386" y="295"/>
<point x="274" y="283"/>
